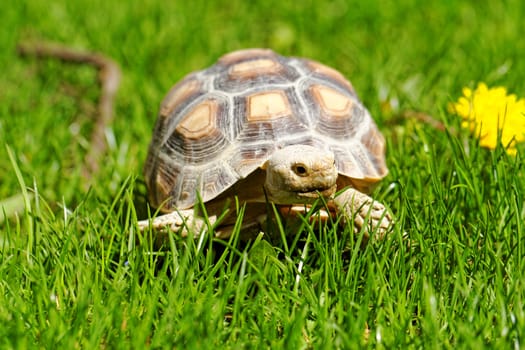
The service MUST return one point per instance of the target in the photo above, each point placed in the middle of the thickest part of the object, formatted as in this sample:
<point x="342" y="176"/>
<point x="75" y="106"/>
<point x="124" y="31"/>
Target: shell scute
<point x="179" y="96"/>
<point x="324" y="73"/>
<point x="268" y="116"/>
<point x="251" y="69"/>
<point x="198" y="134"/>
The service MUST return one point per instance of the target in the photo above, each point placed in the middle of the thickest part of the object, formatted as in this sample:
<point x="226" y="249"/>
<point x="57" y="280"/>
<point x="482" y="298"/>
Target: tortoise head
<point x="300" y="174"/>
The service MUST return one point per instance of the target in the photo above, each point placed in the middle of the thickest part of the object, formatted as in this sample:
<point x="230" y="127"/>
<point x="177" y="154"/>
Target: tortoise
<point x="258" y="128"/>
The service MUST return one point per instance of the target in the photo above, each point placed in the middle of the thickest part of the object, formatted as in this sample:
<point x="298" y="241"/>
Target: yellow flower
<point x="488" y="112"/>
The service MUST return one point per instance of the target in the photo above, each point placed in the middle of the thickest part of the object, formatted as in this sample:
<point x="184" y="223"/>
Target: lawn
<point x="73" y="274"/>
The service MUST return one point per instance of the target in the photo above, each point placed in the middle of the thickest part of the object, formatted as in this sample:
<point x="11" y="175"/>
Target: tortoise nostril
<point x="300" y="169"/>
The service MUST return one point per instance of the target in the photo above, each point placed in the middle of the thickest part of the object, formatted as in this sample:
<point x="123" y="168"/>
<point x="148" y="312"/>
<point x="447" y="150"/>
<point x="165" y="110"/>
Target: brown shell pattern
<point x="218" y="125"/>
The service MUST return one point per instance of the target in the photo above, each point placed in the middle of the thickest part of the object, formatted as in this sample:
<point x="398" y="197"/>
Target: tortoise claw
<point x="365" y="212"/>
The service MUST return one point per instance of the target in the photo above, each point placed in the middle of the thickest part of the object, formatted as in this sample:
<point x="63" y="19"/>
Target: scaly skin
<point x="362" y="209"/>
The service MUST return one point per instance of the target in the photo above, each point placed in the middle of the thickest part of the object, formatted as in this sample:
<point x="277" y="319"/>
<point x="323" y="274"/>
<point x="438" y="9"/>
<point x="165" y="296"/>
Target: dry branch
<point x="109" y="79"/>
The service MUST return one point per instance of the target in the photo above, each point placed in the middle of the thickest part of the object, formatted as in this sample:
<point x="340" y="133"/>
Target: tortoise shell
<point x="217" y="126"/>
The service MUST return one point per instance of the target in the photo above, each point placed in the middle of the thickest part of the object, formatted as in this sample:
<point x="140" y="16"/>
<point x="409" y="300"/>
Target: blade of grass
<point x="27" y="205"/>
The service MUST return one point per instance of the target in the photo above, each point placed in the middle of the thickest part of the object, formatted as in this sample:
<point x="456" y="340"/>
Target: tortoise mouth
<point x="324" y="192"/>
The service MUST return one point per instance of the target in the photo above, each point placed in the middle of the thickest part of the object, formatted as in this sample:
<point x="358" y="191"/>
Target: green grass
<point x="72" y="274"/>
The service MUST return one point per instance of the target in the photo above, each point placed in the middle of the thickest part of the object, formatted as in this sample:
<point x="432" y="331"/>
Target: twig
<point x="425" y="118"/>
<point x="109" y="79"/>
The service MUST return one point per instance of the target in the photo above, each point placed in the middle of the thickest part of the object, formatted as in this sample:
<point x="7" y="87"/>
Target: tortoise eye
<point x="300" y="169"/>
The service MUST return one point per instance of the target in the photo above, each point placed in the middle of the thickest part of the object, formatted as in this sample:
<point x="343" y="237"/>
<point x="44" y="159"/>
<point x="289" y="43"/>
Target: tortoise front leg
<point x="363" y="209"/>
<point x="181" y="221"/>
